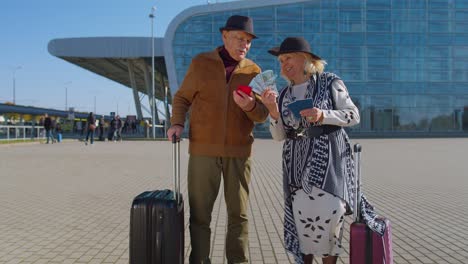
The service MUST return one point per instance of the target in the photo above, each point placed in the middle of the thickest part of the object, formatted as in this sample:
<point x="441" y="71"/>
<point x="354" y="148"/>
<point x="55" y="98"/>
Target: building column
<point x="136" y="97"/>
<point x="147" y="76"/>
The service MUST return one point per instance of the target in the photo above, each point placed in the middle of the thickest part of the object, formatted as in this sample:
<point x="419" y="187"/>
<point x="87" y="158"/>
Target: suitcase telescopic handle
<point x="357" y="185"/>
<point x="176" y="167"/>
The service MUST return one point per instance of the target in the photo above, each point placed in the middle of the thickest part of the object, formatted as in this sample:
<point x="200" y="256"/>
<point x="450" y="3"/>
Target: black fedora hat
<point x="293" y="44"/>
<point x="241" y="23"/>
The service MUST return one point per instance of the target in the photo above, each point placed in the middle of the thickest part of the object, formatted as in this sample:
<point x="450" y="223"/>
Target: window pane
<point x="460" y="51"/>
<point x="409" y="39"/>
<point x="346" y="15"/>
<point x="378" y="26"/>
<point x="439" y="26"/>
<point x="312" y="11"/>
<point x="384" y="15"/>
<point x="381" y="63"/>
<point x="378" y="75"/>
<point x="264" y="13"/>
<point x="379" y="51"/>
<point x="353" y="51"/>
<point x="289" y="26"/>
<point x="356" y="39"/>
<point x="312" y="26"/>
<point x="289" y="12"/>
<point x="408" y="14"/>
<point x="409" y="51"/>
<point x="438" y="51"/>
<point x="351" y="26"/>
<point x="381" y="4"/>
<point x="354" y="4"/>
<point x="329" y="26"/>
<point x="409" y="26"/>
<point x="381" y="39"/>
<point x="439" y="14"/>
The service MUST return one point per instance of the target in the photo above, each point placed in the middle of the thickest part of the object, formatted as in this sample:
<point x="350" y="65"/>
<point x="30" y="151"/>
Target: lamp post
<point x="166" y="110"/>
<point x="153" y="106"/>
<point x="14" y="82"/>
<point x="66" y="94"/>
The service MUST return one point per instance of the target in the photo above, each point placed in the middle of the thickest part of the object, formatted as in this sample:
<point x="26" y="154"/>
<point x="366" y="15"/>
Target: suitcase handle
<point x="176" y="167"/>
<point x="357" y="185"/>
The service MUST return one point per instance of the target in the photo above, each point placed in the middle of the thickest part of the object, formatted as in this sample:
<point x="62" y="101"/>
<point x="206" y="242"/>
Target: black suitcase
<point x="110" y="134"/>
<point x="157" y="223"/>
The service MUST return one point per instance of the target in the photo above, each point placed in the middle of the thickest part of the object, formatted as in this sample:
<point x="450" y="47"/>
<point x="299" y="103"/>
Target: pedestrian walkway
<point x="70" y="203"/>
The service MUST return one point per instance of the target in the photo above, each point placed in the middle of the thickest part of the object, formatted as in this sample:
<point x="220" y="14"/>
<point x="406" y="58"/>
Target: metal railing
<point x="20" y="132"/>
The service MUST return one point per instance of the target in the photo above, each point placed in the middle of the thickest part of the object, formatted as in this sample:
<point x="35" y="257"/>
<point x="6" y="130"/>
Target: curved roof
<point x="107" y="56"/>
<point x="106" y="47"/>
<point x="32" y="110"/>
<point x="202" y="10"/>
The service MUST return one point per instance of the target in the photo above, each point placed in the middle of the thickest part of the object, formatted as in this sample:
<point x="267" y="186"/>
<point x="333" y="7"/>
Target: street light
<point x="66" y="94"/>
<point x="167" y="110"/>
<point x="14" y="83"/>
<point x="153" y="107"/>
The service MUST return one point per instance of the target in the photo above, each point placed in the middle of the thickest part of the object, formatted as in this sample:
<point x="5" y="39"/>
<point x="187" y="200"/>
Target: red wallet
<point x="244" y="88"/>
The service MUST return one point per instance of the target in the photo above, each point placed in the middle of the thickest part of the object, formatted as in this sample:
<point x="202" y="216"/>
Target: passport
<point x="299" y="105"/>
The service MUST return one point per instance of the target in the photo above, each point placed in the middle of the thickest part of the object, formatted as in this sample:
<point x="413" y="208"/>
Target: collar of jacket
<point x="214" y="55"/>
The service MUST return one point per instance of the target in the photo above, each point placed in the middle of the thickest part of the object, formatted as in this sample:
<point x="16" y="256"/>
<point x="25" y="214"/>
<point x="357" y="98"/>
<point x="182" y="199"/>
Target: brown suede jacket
<point x="218" y="126"/>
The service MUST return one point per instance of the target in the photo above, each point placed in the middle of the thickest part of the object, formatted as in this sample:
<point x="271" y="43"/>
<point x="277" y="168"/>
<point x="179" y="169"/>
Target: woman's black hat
<point x="293" y="44"/>
<point x="241" y="23"/>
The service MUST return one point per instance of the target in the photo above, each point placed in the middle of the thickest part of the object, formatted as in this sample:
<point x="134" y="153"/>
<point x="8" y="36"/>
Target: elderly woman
<point x="317" y="164"/>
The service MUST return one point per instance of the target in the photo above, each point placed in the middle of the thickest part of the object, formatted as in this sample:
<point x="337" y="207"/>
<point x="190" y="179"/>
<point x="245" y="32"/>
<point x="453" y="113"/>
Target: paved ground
<point x="69" y="203"/>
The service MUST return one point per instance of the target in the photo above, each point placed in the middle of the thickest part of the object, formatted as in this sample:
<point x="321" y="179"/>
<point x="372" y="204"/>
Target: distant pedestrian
<point x="47" y="127"/>
<point x="91" y="125"/>
<point x="58" y="132"/>
<point x="53" y="135"/>
<point x="101" y="128"/>
<point x="79" y="127"/>
<point x="116" y="125"/>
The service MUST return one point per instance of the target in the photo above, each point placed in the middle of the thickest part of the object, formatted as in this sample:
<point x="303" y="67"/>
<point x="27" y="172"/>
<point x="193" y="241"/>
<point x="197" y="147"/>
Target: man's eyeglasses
<point x="242" y="40"/>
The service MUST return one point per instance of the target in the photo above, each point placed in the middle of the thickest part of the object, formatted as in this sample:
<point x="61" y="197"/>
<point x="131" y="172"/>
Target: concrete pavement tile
<point x="69" y="261"/>
<point x="95" y="261"/>
<point x="101" y="255"/>
<point x="13" y="261"/>
<point x="94" y="217"/>
<point x="111" y="259"/>
<point x="42" y="261"/>
<point x="121" y="261"/>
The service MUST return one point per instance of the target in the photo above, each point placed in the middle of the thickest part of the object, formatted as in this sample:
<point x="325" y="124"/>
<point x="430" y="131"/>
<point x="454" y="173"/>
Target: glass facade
<point x="405" y="62"/>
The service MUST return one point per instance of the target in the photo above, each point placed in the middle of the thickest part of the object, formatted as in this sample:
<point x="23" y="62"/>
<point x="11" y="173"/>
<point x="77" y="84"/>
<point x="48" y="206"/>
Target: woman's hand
<point x="312" y="114"/>
<point x="269" y="100"/>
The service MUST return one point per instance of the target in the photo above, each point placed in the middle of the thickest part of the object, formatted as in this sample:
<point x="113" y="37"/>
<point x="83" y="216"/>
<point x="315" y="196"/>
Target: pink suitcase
<point x="367" y="246"/>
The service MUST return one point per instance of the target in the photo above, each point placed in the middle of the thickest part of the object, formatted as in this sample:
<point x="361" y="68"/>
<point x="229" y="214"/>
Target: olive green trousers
<point x="204" y="180"/>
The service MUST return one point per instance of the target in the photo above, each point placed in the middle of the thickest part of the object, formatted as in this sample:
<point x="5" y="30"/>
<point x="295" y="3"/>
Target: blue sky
<point x="27" y="26"/>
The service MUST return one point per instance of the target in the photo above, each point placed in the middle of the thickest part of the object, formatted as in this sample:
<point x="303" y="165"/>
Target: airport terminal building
<point x="405" y="62"/>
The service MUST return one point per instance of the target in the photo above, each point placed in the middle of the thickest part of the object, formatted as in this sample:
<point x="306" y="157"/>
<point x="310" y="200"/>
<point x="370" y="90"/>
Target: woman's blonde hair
<point x="311" y="65"/>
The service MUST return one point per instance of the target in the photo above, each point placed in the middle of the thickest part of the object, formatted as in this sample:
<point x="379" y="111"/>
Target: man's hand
<point x="174" y="130"/>
<point x="244" y="101"/>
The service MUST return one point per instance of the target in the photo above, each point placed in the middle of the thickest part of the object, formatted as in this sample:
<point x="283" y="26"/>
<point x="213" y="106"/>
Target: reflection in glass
<point x="404" y="62"/>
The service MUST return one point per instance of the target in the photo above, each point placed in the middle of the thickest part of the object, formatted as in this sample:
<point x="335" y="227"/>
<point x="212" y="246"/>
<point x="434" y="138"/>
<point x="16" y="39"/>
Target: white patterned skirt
<point x="319" y="218"/>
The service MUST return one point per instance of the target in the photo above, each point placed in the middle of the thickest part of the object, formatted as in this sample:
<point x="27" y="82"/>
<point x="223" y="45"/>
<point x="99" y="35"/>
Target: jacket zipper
<point x="226" y="105"/>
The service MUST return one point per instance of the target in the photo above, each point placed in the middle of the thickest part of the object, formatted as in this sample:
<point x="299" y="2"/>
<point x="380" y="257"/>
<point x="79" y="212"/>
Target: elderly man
<point x="221" y="123"/>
